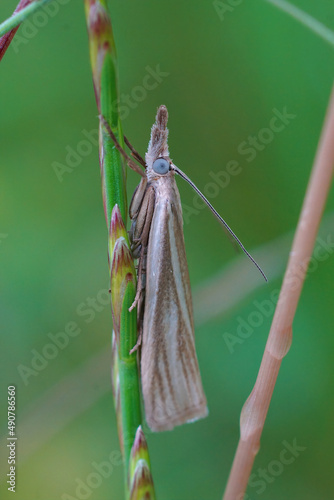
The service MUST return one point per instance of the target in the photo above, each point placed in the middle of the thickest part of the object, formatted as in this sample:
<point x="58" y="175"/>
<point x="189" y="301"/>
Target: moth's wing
<point x="171" y="381"/>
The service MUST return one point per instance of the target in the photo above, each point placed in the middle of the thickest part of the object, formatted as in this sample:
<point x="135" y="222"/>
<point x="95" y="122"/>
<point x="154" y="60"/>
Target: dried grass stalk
<point x="255" y="409"/>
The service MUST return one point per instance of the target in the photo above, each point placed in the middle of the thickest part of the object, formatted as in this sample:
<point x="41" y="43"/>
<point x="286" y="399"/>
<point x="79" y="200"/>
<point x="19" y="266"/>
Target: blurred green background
<point x="223" y="77"/>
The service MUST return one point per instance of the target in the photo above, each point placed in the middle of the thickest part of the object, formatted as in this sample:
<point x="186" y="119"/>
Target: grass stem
<point x="125" y="373"/>
<point x="255" y="409"/>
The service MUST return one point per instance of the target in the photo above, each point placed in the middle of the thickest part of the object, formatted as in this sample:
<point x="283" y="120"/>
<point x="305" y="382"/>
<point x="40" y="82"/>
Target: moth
<point x="171" y="382"/>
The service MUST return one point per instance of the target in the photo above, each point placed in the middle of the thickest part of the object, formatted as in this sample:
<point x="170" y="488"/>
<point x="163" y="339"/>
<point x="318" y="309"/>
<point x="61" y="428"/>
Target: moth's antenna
<point x="134" y="153"/>
<point x="214" y="211"/>
<point x="127" y="158"/>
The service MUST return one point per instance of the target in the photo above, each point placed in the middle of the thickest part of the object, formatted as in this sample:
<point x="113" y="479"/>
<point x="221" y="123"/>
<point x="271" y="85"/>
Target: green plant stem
<point x="17" y="18"/>
<point x="310" y="22"/>
<point x="125" y="374"/>
<point x="128" y="375"/>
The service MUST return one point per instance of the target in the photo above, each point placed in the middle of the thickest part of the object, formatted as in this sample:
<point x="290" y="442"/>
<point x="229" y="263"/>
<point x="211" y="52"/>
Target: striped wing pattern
<point x="171" y="381"/>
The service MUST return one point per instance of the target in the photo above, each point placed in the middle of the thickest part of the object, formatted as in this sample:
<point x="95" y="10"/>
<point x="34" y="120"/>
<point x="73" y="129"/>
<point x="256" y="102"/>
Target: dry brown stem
<point x="255" y="409"/>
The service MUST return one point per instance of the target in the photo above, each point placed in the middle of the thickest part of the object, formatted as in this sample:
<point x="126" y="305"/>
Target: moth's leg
<point x="137" y="198"/>
<point x="142" y="223"/>
<point x="127" y="158"/>
<point x="137" y="344"/>
<point x="141" y="300"/>
<point x="140" y="282"/>
<point x="134" y="153"/>
<point x="141" y="307"/>
<point x="140" y="235"/>
<point x="149" y="216"/>
<point x="138" y="213"/>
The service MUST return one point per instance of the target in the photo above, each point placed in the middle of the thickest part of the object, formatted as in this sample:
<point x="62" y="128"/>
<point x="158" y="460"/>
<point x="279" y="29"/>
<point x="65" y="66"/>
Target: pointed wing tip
<point x="186" y="417"/>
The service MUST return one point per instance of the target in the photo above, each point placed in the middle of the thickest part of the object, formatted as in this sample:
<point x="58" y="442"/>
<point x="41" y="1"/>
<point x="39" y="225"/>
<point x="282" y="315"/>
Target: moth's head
<point x="157" y="158"/>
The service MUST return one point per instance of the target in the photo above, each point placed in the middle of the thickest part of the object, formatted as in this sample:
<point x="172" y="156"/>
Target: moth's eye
<point x="161" y="166"/>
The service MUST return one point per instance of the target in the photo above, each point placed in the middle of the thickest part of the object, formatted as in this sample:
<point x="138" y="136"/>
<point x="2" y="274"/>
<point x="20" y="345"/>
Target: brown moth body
<point x="171" y="382"/>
